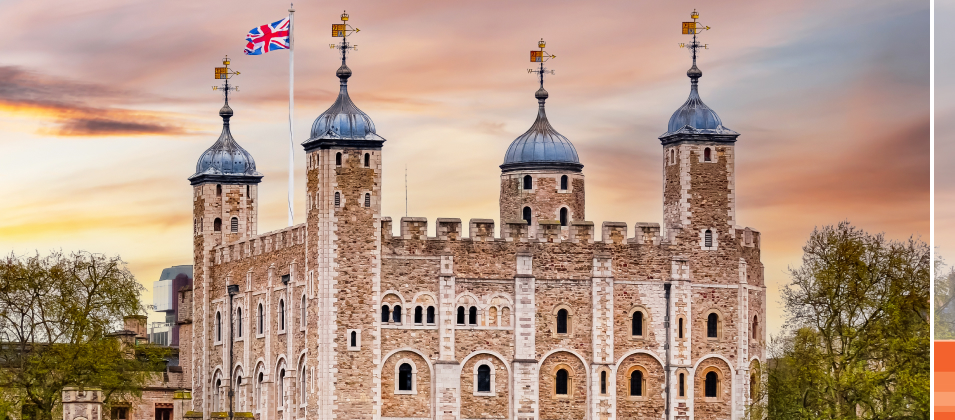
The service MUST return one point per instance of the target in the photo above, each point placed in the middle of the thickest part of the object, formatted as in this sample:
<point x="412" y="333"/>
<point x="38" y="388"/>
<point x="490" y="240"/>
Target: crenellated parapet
<point x="263" y="244"/>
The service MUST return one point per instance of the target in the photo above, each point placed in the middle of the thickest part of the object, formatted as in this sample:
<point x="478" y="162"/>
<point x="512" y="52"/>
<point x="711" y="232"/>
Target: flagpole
<point x="291" y="106"/>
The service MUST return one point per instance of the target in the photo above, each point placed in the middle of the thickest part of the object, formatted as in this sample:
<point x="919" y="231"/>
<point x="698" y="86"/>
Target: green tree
<point x="56" y="316"/>
<point x="857" y="331"/>
<point x="944" y="295"/>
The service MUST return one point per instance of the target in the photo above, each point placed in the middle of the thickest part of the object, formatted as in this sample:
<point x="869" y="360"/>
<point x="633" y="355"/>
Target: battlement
<point x="550" y="231"/>
<point x="260" y="244"/>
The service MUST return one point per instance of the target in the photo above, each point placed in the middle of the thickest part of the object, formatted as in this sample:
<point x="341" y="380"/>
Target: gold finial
<point x="694" y="15"/>
<point x="541" y="44"/>
<point x="225" y="73"/>
<point x="344" y="17"/>
<point x="540" y="57"/>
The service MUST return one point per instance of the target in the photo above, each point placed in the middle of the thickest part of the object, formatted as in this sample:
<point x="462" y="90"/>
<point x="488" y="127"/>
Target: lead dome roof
<point x="694" y="117"/>
<point x="343" y="120"/>
<point x="541" y="146"/>
<point x="225" y="161"/>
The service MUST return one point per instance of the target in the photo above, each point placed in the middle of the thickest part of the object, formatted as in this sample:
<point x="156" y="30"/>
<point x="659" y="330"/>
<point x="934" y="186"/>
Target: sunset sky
<point x="105" y="106"/>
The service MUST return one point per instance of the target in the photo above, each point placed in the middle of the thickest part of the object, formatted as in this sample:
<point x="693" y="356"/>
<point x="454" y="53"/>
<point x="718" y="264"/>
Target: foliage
<point x="944" y="310"/>
<point x="56" y="316"/>
<point x="857" y="340"/>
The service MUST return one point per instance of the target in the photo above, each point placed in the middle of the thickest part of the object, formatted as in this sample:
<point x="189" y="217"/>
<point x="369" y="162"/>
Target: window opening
<point x="528" y="182"/>
<point x="460" y="315"/>
<point x="563" y="216"/>
<point x="636" y="383"/>
<point x="338" y="199"/>
<point x="431" y="314"/>
<point x="218" y="326"/>
<point x="367" y="200"/>
<point x="562" y="321"/>
<point x="281" y="396"/>
<point x="385" y="313"/>
<point x="302" y="384"/>
<point x="404" y="377"/>
<point x="217" y="225"/>
<point x="417" y="315"/>
<point x="258" y="391"/>
<point x="304" y="313"/>
<point x="706" y="154"/>
<point x="367" y="160"/>
<point x="261" y="320"/>
<point x="281" y="314"/>
<point x="354" y="338"/>
<point x="637" y="327"/>
<point x="248" y="191"/>
<point x="563" y="182"/>
<point x="238" y="318"/>
<point x="472" y="315"/>
<point x="755" y="326"/>
<point x="711" y="384"/>
<point x="708" y="238"/>
<point x="338" y="159"/>
<point x="603" y="382"/>
<point x="711" y="328"/>
<point x="484" y="378"/>
<point x="682" y="385"/>
<point x="218" y="190"/>
<point x="235" y="225"/>
<point x="560" y="387"/>
<point x="527" y="214"/>
<point x="679" y="332"/>
<point x="396" y="314"/>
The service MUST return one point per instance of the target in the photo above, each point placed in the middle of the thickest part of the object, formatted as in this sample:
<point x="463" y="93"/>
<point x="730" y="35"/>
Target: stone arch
<point x="722" y="405"/>
<point x="219" y="385"/>
<point x="572" y="405"/>
<point x="652" y="402"/>
<point x="280" y="385"/>
<point x="646" y="322"/>
<point x="494" y="404"/>
<point x="240" y="382"/>
<point x="417" y="404"/>
<point x="571" y="318"/>
<point x="259" y="393"/>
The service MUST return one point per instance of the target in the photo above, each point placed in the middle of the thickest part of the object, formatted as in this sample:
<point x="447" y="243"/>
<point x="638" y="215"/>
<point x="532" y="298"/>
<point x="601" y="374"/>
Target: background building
<point x="172" y="279"/>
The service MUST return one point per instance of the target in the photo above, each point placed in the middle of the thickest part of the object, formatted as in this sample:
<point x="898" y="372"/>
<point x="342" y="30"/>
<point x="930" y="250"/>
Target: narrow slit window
<point x="261" y="320"/>
<point x="563" y="216"/>
<point x="712" y="327"/>
<point x="385" y="314"/>
<point x="472" y="315"/>
<point x="338" y="159"/>
<point x="708" y="238"/>
<point x="367" y="200"/>
<point x="755" y="326"/>
<point x="682" y="385"/>
<point x="563" y="182"/>
<point x="248" y="191"/>
<point x="562" y="321"/>
<point x="217" y="225"/>
<point x="679" y="332"/>
<point x="281" y="315"/>
<point x="238" y="320"/>
<point x="235" y="225"/>
<point x="338" y="199"/>
<point x="603" y="382"/>
<point x="354" y="338"/>
<point x="527" y="214"/>
<point x="460" y="315"/>
<point x="417" y="315"/>
<point x="431" y="314"/>
<point x="218" y="190"/>
<point x="637" y="327"/>
<point x="484" y="378"/>
<point x="367" y="160"/>
<point x="706" y="155"/>
<point x="304" y="318"/>
<point x="396" y="314"/>
<point x="218" y="326"/>
<point x="528" y="182"/>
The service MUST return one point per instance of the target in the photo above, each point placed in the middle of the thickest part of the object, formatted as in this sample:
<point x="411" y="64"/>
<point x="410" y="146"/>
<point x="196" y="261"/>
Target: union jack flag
<point x="265" y="38"/>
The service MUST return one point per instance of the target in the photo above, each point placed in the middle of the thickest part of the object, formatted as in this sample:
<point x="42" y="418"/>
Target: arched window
<point x="215" y="395"/>
<point x="706" y="154"/>
<point x="217" y="225"/>
<point x="636" y="327"/>
<point x="712" y="325"/>
<point x="338" y="159"/>
<point x="472" y="315"/>
<point x="218" y="190"/>
<point x="235" y="225"/>
<point x="418" y="315"/>
<point x="404" y="377"/>
<point x="248" y="191"/>
<point x="755" y="327"/>
<point x="484" y="378"/>
<point x="708" y="238"/>
<point x="385" y="314"/>
<point x="258" y="390"/>
<point x="560" y="382"/>
<point x="261" y="320"/>
<point x="682" y="385"/>
<point x="396" y="314"/>
<point x="492" y="316"/>
<point x="367" y="160"/>
<point x="528" y="182"/>
<point x="562" y="321"/>
<point x="304" y="313"/>
<point x="563" y="182"/>
<point x="281" y="390"/>
<point x="460" y="315"/>
<point x="563" y="216"/>
<point x="679" y="331"/>
<point x="367" y="200"/>
<point x="430" y="315"/>
<point x="218" y="327"/>
<point x="636" y="383"/>
<point x="238" y="319"/>
<point x="711" y="385"/>
<point x="338" y="199"/>
<point x="281" y="315"/>
<point x="301" y="384"/>
<point x="603" y="382"/>
<point x="753" y="386"/>
<point x="527" y="214"/>
<point x="354" y="339"/>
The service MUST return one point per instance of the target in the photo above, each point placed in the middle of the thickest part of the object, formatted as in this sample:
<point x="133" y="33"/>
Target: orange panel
<point x="944" y="355"/>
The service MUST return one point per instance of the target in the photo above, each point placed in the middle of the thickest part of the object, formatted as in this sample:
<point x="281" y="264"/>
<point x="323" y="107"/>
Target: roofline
<point x="697" y="138"/>
<point x="564" y="166"/>
<point x="224" y="179"/>
<point x="320" y="143"/>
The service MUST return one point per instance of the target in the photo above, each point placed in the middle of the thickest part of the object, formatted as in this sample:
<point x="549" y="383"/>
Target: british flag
<point x="265" y="38"/>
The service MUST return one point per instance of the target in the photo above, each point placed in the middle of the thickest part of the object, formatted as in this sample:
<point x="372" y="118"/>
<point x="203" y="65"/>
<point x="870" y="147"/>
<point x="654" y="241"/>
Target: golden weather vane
<point x="540" y="56"/>
<point x="694" y="28"/>
<point x="343" y="30"/>
<point x="225" y="73"/>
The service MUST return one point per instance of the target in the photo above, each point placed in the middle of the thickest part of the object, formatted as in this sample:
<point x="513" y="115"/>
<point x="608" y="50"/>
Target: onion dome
<point x="541" y="147"/>
<point x="225" y="161"/>
<point x="343" y="122"/>
<point x="694" y="117"/>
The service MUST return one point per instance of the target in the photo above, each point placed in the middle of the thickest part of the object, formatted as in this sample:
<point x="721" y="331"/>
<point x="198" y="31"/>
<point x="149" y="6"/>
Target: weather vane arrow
<point x="541" y="56"/>
<point x="694" y="28"/>
<point x="225" y="73"/>
<point x="343" y="30"/>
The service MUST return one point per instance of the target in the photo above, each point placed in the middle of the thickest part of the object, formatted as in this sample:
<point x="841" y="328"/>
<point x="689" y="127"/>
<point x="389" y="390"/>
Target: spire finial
<point x="540" y="56"/>
<point x="694" y="28"/>
<point x="343" y="30"/>
<point x="225" y="73"/>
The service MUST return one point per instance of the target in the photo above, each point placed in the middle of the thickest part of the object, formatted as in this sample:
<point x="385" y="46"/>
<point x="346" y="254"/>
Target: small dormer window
<point x="706" y="155"/>
<point x="338" y="159"/>
<point x="563" y="182"/>
<point x="528" y="182"/>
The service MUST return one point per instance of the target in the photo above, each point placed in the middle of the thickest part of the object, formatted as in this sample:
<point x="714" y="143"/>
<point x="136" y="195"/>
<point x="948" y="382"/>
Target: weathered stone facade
<point x="341" y="318"/>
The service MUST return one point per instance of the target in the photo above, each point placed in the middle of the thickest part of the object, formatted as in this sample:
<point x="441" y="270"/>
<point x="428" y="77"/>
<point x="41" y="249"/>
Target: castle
<point x="552" y="318"/>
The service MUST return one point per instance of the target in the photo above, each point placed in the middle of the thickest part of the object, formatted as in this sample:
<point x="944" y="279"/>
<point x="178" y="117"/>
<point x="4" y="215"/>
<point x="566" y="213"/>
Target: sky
<point x="105" y="106"/>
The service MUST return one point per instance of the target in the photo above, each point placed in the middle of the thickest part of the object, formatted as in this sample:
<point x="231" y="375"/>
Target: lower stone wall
<point x="713" y="408"/>
<point x="484" y="406"/>
<point x="396" y="404"/>
<point x="570" y="406"/>
<point x="651" y="404"/>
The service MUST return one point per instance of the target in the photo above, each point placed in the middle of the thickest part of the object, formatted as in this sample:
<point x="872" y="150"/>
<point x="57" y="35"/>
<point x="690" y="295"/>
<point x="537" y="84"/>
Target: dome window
<point x="235" y="225"/>
<point x="706" y="155"/>
<point x="528" y="182"/>
<point x="217" y="225"/>
<point x="563" y="182"/>
<point x="338" y="159"/>
<point x="563" y="216"/>
<point x="527" y="214"/>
